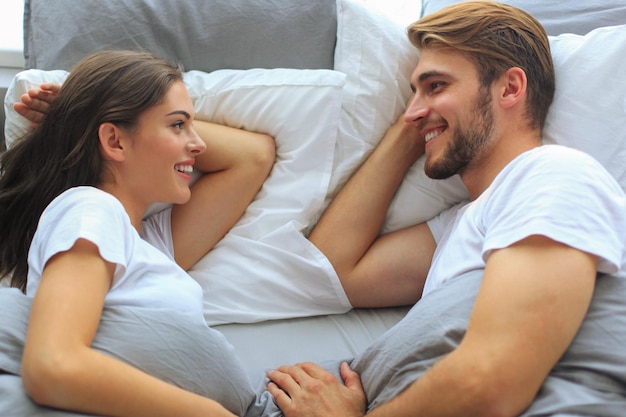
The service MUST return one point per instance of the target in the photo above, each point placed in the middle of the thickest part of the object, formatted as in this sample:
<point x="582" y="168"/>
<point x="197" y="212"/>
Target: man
<point x="541" y="223"/>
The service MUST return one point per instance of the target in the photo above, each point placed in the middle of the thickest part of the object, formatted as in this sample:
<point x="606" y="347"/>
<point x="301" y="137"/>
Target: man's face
<point x="452" y="110"/>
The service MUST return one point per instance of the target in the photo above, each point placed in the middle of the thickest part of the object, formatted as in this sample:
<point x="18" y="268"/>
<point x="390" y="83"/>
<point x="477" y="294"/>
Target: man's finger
<point x="283" y="400"/>
<point x="285" y="379"/>
<point x="313" y="370"/>
<point x="350" y="378"/>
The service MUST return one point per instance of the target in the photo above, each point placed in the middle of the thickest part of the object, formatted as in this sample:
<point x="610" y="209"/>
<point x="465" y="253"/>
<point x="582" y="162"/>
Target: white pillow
<point x="300" y="109"/>
<point x="589" y="108"/>
<point x="378" y="59"/>
<point x="264" y="268"/>
<point x="16" y="126"/>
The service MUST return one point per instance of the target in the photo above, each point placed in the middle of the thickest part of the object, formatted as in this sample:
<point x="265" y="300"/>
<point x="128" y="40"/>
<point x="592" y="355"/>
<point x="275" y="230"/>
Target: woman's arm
<point x="61" y="370"/>
<point x="236" y="163"/>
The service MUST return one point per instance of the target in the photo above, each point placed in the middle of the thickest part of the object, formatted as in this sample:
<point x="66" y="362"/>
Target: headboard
<point x="559" y="16"/>
<point x="203" y="35"/>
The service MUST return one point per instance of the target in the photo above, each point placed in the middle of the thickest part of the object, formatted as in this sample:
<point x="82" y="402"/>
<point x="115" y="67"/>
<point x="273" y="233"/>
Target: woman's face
<point x="162" y="149"/>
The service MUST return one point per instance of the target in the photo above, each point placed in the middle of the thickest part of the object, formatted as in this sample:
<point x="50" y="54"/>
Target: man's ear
<point x="111" y="142"/>
<point x="514" y="84"/>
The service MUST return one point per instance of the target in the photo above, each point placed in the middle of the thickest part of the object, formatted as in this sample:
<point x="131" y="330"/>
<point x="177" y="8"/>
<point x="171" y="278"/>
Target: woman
<point x="117" y="137"/>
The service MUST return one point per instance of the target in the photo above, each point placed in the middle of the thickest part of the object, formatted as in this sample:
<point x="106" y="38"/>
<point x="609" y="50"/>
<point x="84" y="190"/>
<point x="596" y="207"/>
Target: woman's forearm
<point x="91" y="382"/>
<point x="229" y="147"/>
<point x="236" y="164"/>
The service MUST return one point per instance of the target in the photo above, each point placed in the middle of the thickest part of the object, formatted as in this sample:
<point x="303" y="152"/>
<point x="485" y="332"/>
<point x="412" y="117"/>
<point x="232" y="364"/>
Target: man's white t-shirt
<point x="554" y="191"/>
<point x="144" y="275"/>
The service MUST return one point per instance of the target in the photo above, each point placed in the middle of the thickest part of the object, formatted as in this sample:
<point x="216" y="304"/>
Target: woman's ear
<point x="514" y="83"/>
<point x="110" y="137"/>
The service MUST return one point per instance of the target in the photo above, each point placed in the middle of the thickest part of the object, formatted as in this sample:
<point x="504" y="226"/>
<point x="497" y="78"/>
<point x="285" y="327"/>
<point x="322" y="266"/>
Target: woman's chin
<point x="184" y="197"/>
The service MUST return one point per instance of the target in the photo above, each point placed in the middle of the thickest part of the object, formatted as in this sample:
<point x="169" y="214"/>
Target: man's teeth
<point x="432" y="135"/>
<point x="184" y="168"/>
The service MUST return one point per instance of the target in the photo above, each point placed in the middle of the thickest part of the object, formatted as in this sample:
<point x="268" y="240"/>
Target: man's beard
<point x="467" y="143"/>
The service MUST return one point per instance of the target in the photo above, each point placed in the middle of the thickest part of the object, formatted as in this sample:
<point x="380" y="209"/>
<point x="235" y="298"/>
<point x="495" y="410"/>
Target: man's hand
<point x="306" y="390"/>
<point x="35" y="103"/>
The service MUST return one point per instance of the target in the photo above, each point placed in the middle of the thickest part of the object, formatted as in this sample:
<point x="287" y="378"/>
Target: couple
<point x="483" y="86"/>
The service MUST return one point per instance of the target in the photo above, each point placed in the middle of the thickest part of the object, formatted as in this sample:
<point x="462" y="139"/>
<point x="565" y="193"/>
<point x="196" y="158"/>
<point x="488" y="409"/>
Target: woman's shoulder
<point x="85" y="198"/>
<point x="85" y="204"/>
<point x="85" y="193"/>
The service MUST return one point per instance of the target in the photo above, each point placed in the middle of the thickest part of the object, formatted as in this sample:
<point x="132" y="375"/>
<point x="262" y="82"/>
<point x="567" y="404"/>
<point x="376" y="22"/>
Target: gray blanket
<point x="589" y="380"/>
<point x="170" y="346"/>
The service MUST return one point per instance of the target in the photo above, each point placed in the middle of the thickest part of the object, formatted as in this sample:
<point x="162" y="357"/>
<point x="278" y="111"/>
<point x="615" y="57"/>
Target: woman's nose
<point x="196" y="145"/>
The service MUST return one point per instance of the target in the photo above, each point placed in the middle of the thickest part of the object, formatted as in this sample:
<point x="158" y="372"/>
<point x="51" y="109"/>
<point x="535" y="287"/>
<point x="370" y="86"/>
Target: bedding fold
<point x="171" y="346"/>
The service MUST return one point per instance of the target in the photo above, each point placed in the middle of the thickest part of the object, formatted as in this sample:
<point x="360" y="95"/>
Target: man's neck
<point x="482" y="171"/>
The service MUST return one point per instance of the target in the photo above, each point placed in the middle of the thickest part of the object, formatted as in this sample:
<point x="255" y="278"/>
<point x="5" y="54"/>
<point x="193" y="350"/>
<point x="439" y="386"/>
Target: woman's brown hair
<point x="64" y="151"/>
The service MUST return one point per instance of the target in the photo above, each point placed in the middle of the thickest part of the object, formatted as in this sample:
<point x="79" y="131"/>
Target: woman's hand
<point x="35" y="103"/>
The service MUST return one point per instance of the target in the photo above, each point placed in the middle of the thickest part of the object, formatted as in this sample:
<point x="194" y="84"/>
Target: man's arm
<point x="532" y="301"/>
<point x="377" y="271"/>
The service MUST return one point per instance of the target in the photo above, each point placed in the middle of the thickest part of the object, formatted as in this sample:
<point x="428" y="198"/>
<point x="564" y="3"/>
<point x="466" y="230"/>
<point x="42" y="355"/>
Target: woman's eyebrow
<point x="184" y="113"/>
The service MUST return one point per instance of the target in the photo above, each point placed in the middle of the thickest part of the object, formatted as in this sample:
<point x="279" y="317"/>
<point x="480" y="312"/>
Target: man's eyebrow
<point x="429" y="74"/>
<point x="184" y="113"/>
<point x="423" y="77"/>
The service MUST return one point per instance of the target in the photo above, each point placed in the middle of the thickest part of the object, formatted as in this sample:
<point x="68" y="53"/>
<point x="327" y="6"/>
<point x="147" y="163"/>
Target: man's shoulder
<point x="548" y="162"/>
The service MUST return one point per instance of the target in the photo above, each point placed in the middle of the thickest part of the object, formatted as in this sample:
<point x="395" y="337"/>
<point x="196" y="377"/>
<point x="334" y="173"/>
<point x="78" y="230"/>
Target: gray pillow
<point x="559" y="16"/>
<point x="203" y="35"/>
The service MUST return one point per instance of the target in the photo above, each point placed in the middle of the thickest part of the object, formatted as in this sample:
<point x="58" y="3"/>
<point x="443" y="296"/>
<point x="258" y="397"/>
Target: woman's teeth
<point x="184" y="168"/>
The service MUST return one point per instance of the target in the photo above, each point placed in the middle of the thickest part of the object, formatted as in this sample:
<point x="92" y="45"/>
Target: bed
<point x="325" y="78"/>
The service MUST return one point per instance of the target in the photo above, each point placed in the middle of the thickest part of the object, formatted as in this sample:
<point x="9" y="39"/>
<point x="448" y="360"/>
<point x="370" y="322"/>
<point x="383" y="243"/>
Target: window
<point x="11" y="34"/>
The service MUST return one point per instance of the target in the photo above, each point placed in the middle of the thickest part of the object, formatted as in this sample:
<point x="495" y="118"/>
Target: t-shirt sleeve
<point x="157" y="230"/>
<point x="582" y="208"/>
<point x="439" y="223"/>
<point x="81" y="213"/>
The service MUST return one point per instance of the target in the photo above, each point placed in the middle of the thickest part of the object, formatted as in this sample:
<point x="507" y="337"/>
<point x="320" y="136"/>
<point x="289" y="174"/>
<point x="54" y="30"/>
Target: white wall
<point x="11" y="35"/>
<point x="402" y="11"/>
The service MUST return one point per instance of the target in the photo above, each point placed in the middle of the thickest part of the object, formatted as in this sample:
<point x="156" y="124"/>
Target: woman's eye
<point x="179" y="125"/>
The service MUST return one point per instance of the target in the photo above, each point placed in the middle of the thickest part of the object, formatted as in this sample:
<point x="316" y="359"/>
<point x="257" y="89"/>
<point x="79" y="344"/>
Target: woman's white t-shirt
<point x="145" y="274"/>
<point x="554" y="191"/>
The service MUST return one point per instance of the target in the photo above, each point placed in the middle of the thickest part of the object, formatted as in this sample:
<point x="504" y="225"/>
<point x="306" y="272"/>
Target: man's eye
<point x="436" y="85"/>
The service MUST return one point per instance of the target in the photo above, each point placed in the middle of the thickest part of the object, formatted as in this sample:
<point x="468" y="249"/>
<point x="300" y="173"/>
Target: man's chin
<point x="435" y="174"/>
